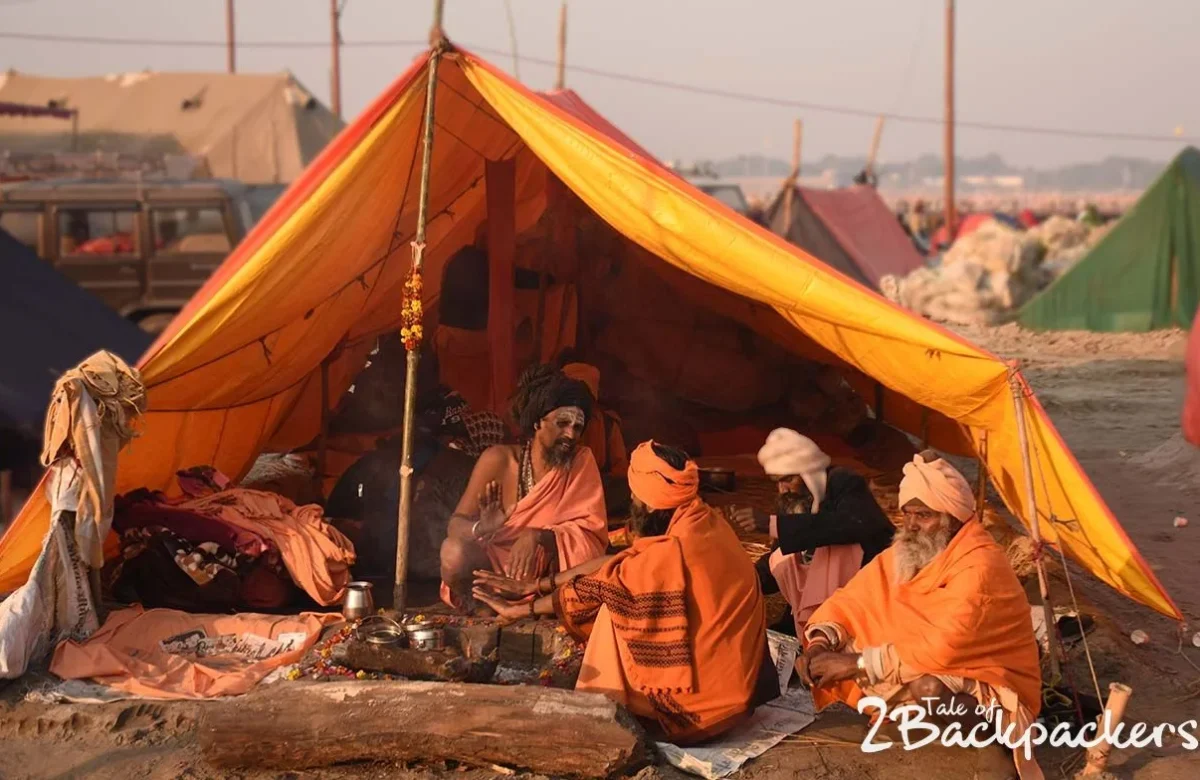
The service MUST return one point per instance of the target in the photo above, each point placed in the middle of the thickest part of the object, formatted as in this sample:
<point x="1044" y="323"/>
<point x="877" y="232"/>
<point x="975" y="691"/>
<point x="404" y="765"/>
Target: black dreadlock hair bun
<point x="542" y="389"/>
<point x="674" y="456"/>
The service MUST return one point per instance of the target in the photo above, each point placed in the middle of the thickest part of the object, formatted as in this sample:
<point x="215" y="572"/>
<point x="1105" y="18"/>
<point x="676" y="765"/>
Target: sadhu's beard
<point x="559" y="454"/>
<point x="915" y="549"/>
<point x="644" y="521"/>
<point x="794" y="504"/>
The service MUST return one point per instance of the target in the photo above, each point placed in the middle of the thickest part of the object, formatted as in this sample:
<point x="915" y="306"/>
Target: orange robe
<point x="964" y="615"/>
<point x="675" y="625"/>
<point x="569" y="503"/>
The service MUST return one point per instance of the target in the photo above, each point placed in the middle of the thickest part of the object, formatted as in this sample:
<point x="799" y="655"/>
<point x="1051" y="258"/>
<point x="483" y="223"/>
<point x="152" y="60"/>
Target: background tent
<point x="320" y="277"/>
<point x="259" y="128"/>
<point x="850" y="229"/>
<point x="1143" y="275"/>
<point x="50" y="325"/>
<point x="1191" y="402"/>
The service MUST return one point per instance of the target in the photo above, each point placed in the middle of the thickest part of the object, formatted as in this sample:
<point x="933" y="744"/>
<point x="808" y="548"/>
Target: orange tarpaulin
<point x="239" y="370"/>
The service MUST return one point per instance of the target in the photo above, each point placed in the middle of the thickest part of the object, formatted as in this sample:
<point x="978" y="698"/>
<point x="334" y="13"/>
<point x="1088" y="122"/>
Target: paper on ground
<point x="766" y="728"/>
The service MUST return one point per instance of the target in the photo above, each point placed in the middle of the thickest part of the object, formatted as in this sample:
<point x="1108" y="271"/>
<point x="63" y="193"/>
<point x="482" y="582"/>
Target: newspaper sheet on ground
<point x="788" y="714"/>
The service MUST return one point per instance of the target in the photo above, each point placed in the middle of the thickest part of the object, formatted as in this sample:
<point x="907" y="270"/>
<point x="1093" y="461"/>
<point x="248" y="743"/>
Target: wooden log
<point x="534" y="642"/>
<point x="303" y="725"/>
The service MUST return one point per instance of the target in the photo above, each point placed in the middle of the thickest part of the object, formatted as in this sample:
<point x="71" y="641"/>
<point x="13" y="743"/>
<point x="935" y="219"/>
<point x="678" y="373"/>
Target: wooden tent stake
<point x="400" y="590"/>
<point x="1018" y="384"/>
<point x="1114" y="713"/>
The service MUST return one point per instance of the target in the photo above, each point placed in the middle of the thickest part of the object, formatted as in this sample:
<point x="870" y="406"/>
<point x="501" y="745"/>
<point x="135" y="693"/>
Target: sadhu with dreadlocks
<point x="535" y="507"/>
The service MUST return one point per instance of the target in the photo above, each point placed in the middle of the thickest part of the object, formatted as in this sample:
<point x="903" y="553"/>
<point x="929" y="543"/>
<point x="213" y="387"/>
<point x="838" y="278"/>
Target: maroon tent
<point x="850" y="229"/>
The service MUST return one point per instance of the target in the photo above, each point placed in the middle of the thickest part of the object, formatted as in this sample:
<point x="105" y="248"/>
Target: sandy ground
<point x="1116" y="400"/>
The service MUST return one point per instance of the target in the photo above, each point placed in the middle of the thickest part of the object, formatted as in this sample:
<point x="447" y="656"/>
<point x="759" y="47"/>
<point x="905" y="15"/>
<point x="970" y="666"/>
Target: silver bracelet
<point x="475" y="529"/>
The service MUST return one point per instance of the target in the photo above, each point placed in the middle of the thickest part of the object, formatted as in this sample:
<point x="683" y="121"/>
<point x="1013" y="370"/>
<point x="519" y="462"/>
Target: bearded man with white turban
<point x="937" y="619"/>
<point x="826" y="528"/>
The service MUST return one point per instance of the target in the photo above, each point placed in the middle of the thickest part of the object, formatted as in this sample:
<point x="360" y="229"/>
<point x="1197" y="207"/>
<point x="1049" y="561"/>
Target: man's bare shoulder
<point x="497" y="458"/>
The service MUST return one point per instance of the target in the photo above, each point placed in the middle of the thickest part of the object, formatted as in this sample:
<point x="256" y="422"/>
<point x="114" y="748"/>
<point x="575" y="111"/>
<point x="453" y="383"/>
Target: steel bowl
<point x="426" y="637"/>
<point x="380" y="630"/>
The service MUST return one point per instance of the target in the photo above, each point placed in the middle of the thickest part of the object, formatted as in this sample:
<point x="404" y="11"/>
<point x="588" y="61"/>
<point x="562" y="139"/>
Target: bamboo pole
<point x="873" y="151"/>
<point x="797" y="137"/>
<point x="512" y="39"/>
<point x="230" y="46"/>
<point x="323" y="440"/>
<point x="1114" y="713"/>
<point x="6" y="502"/>
<point x="951" y="216"/>
<point x="335" y="70"/>
<point x="793" y="180"/>
<point x="1018" y="391"/>
<point x="981" y="478"/>
<point x="400" y="589"/>
<point x="560" y="79"/>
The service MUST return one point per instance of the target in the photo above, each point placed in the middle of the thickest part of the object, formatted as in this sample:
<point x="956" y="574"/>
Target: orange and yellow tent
<point x="320" y="278"/>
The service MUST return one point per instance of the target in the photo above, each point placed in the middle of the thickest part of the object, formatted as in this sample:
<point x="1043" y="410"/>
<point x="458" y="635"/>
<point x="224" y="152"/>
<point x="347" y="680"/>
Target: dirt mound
<point x="1174" y="462"/>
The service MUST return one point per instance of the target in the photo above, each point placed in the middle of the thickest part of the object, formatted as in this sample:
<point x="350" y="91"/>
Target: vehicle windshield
<point x="259" y="198"/>
<point x="729" y="194"/>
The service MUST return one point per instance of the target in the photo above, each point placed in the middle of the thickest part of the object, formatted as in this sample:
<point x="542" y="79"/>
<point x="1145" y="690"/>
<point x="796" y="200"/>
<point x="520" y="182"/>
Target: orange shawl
<point x="569" y="502"/>
<point x="964" y="615"/>
<point x="688" y="623"/>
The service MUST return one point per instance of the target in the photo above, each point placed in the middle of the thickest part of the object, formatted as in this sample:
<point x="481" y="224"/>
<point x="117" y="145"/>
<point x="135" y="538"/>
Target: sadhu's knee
<point x="455" y="554"/>
<point x="927" y="687"/>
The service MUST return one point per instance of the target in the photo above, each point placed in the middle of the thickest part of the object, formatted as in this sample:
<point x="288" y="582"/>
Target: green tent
<point x="1144" y="275"/>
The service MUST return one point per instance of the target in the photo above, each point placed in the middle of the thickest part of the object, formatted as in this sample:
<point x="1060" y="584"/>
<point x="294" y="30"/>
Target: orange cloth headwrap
<point x="656" y="483"/>
<point x="589" y="375"/>
<point x="939" y="486"/>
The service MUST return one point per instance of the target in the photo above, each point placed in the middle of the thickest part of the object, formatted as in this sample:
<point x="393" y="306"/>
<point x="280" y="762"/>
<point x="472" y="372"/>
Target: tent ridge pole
<point x="438" y="45"/>
<point x="1017" y="383"/>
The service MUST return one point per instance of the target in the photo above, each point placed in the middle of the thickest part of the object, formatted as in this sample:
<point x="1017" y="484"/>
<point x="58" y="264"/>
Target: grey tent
<point x="49" y="324"/>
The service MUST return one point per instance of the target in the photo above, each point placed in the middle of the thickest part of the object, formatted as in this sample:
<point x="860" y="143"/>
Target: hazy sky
<point x="1111" y="65"/>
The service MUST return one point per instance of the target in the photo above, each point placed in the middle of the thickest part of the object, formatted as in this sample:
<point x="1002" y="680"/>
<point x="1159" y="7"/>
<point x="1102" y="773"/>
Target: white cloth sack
<point x="56" y="602"/>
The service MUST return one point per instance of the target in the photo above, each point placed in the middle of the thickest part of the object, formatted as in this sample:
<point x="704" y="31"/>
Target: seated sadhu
<point x="533" y="507"/>
<point x="938" y="616"/>
<point x="675" y="625"/>
<point x="827" y="526"/>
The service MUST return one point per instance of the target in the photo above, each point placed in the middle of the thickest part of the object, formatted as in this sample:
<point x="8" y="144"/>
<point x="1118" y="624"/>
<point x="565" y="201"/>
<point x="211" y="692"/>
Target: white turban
<point x="787" y="453"/>
<point x="939" y="486"/>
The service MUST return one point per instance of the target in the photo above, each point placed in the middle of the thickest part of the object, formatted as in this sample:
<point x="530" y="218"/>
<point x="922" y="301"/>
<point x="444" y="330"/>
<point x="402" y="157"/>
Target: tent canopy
<point x="256" y="127"/>
<point x="1145" y="274"/>
<point x="50" y="325"/>
<point x="850" y="229"/>
<point x="238" y="372"/>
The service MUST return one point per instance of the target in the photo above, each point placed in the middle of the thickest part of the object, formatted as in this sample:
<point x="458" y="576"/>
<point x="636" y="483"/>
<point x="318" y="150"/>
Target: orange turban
<point x="656" y="483"/>
<point x="939" y="486"/>
<point x="589" y="375"/>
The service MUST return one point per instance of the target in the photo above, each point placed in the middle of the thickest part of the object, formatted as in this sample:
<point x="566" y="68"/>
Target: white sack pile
<point x="984" y="276"/>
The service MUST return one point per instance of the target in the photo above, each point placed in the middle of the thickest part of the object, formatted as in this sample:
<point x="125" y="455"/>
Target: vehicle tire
<point x="156" y="323"/>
